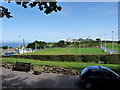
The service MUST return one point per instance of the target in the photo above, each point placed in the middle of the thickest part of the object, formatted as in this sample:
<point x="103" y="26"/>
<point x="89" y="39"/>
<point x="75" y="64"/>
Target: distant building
<point x="78" y="40"/>
<point x="21" y="51"/>
<point x="75" y="40"/>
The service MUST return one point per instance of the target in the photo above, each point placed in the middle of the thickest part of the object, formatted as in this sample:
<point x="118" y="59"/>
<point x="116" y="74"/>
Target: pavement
<point x="109" y="50"/>
<point x="22" y="80"/>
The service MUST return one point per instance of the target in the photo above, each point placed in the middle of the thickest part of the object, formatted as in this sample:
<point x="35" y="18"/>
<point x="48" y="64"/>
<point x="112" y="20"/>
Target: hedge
<point x="109" y="58"/>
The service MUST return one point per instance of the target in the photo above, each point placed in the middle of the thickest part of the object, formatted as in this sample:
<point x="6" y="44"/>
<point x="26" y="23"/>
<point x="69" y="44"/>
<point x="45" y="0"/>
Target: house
<point x="21" y="51"/>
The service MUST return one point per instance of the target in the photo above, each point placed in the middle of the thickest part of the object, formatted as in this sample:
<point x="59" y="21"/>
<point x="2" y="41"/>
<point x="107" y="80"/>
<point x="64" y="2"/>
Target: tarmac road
<point x="15" y="79"/>
<point x="18" y="79"/>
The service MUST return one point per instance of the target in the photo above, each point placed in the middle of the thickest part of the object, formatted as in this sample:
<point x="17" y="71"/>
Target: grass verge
<point x="74" y="65"/>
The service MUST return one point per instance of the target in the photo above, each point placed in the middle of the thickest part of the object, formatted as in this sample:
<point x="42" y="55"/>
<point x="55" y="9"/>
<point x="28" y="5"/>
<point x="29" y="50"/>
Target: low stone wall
<point x="7" y="65"/>
<point x="46" y="69"/>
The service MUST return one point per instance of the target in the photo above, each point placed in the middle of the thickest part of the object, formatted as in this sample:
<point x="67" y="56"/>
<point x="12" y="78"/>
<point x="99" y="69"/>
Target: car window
<point x="84" y="70"/>
<point x="110" y="75"/>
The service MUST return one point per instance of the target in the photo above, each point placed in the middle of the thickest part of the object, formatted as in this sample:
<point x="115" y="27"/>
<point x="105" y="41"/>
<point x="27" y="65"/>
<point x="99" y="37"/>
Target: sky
<point x="75" y="20"/>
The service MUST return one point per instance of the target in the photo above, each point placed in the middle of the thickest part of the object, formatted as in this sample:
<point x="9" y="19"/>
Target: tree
<point x="68" y="43"/>
<point x="61" y="43"/>
<point x="48" y="7"/>
<point x="97" y="39"/>
<point x="118" y="42"/>
<point x="31" y="45"/>
<point x="4" y="47"/>
<point x="37" y="44"/>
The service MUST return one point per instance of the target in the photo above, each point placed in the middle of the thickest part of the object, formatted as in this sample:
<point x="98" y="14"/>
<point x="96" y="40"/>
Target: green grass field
<point x="66" y="51"/>
<point x="116" y="47"/>
<point x="76" y="65"/>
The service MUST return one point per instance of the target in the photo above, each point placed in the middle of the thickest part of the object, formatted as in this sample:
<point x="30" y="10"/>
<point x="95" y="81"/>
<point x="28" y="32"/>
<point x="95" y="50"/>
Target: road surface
<point x="17" y="79"/>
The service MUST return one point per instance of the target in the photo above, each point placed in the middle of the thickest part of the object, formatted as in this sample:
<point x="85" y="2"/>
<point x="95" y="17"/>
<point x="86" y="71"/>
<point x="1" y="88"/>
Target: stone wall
<point x="47" y="69"/>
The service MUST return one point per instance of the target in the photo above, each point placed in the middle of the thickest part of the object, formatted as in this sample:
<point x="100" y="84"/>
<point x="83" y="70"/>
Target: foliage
<point x="77" y="44"/>
<point x="98" y="39"/>
<point x="38" y="69"/>
<point x="5" y="47"/>
<point x="89" y="44"/>
<point x="4" y="12"/>
<point x="109" y="46"/>
<point x="37" y="44"/>
<point x="74" y="65"/>
<point x="109" y="58"/>
<point x="48" y="7"/>
<point x="61" y="43"/>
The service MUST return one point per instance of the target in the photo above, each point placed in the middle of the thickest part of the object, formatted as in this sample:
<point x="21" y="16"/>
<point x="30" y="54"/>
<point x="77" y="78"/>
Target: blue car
<point x="99" y="76"/>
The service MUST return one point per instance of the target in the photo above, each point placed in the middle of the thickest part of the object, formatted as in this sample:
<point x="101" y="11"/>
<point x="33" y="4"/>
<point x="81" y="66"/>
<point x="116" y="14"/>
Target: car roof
<point x="97" y="67"/>
<point x="94" y="68"/>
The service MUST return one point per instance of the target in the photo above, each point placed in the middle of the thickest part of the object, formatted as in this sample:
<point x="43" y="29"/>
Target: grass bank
<point x="75" y="65"/>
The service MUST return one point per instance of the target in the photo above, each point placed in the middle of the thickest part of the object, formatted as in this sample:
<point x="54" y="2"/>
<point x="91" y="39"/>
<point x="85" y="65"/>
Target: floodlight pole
<point x="19" y="42"/>
<point x="79" y="47"/>
<point x="112" y="42"/>
<point x="23" y="45"/>
<point x="105" y="42"/>
<point x="35" y="44"/>
<point x="101" y="40"/>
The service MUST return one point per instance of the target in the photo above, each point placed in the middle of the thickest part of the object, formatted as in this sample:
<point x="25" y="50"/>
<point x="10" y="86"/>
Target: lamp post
<point x="112" y="42"/>
<point x="105" y="42"/>
<point x="23" y="45"/>
<point x="79" y="47"/>
<point x="35" y="44"/>
<point x="19" y="45"/>
<point x="101" y="40"/>
<point x="19" y="42"/>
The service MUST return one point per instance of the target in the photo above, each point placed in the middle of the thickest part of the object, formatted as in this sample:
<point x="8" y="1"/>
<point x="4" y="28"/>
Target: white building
<point x="21" y="51"/>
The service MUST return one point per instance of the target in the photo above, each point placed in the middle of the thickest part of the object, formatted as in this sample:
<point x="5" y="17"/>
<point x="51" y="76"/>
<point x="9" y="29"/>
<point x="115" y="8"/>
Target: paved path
<point x="109" y="50"/>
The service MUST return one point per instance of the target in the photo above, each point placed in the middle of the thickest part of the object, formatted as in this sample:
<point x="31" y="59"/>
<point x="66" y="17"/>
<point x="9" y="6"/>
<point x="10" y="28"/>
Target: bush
<point x="109" y="58"/>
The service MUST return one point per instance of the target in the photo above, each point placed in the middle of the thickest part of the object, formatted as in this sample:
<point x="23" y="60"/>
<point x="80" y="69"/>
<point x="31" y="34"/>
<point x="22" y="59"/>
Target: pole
<point x="105" y="42"/>
<point x="112" y="42"/>
<point x="79" y="47"/>
<point x="19" y="41"/>
<point x="101" y="40"/>
<point x="35" y="44"/>
<point x="23" y="45"/>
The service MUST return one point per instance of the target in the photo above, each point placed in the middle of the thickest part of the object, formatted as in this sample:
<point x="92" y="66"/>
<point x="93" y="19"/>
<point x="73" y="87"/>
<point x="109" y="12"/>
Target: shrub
<point x="108" y="58"/>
